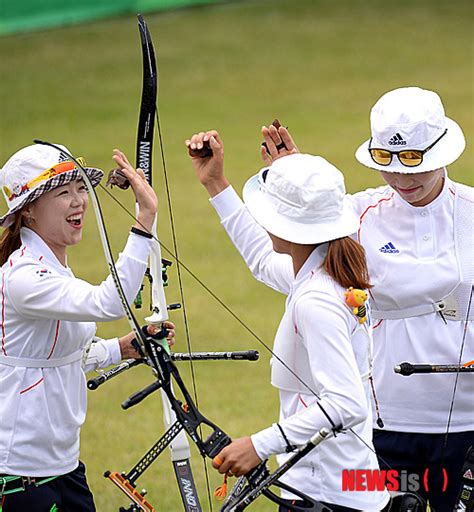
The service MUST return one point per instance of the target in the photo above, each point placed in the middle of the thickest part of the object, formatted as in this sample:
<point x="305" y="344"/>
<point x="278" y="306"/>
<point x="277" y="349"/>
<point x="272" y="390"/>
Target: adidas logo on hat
<point x="397" y="140"/>
<point x="63" y="157"/>
<point x="389" y="249"/>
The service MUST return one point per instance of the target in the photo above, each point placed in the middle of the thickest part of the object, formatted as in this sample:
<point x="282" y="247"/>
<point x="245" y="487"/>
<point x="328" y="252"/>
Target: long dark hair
<point x="10" y="239"/>
<point x="345" y="262"/>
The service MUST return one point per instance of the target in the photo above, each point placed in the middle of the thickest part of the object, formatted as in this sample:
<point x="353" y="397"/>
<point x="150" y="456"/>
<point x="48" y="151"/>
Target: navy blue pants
<point x="67" y="493"/>
<point x="420" y="461"/>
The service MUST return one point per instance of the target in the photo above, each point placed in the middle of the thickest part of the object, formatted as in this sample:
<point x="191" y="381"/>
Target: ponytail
<point x="10" y="239"/>
<point x="345" y="262"/>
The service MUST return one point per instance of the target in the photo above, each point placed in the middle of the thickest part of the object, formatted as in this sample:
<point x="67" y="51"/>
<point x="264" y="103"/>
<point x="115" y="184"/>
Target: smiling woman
<point x="48" y="324"/>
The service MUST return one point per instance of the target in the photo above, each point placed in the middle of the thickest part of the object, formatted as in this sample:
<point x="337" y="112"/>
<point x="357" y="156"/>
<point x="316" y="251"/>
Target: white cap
<point x="412" y="118"/>
<point x="301" y="199"/>
<point x="34" y="170"/>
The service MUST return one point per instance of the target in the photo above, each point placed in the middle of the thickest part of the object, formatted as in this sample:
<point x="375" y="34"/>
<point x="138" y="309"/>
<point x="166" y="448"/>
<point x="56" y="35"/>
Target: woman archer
<point x="48" y="322"/>
<point x="319" y="339"/>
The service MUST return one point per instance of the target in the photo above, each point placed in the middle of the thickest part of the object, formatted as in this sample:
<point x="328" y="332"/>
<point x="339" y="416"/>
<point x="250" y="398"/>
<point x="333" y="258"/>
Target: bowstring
<point x="461" y="352"/>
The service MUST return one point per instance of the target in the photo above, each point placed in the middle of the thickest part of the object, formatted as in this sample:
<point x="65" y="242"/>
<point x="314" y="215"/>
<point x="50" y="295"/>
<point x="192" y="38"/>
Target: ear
<point x="27" y="213"/>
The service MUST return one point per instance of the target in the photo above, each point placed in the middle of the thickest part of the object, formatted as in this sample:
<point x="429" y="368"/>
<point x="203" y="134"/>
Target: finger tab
<point x="204" y="152"/>
<point x="117" y="177"/>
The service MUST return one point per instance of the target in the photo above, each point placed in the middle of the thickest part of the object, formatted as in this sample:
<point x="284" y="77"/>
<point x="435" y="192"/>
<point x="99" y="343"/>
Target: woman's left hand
<point x="274" y="139"/>
<point x="144" y="193"/>
<point x="238" y="458"/>
<point x="128" y="351"/>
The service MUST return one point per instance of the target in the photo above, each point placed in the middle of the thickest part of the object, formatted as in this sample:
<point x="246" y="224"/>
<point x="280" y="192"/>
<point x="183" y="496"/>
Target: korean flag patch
<point x="42" y="272"/>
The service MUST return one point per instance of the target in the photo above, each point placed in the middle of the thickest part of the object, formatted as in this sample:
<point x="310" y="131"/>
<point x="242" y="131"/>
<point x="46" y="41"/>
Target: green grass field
<point x="319" y="65"/>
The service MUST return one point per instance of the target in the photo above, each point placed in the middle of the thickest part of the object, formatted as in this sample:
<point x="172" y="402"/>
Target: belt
<point x="10" y="484"/>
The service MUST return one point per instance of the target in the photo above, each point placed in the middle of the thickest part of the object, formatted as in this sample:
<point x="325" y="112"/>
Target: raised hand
<point x="209" y="169"/>
<point x="144" y="193"/>
<point x="278" y="143"/>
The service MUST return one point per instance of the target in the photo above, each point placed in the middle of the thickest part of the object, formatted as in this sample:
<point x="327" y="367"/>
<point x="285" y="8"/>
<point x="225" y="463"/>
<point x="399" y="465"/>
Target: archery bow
<point x="149" y="107"/>
<point x="180" y="451"/>
<point x="218" y="439"/>
<point x="459" y="366"/>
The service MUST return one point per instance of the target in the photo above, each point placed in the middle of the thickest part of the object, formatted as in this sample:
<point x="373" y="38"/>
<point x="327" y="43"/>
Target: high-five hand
<point x="209" y="169"/>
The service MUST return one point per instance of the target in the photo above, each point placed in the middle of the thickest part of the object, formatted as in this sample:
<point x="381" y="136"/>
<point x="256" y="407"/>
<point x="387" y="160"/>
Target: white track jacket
<point x="411" y="255"/>
<point x="322" y="342"/>
<point x="47" y="318"/>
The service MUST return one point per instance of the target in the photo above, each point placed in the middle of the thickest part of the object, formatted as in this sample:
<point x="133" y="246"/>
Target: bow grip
<point x="160" y="335"/>
<point x="215" y="443"/>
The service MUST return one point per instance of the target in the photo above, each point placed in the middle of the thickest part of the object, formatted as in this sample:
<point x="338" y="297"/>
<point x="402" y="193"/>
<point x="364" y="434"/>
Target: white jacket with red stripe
<point x="47" y="318"/>
<point x="412" y="259"/>
<point x="321" y="341"/>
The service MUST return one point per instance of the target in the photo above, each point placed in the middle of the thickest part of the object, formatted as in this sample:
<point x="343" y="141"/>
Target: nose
<point x="79" y="198"/>
<point x="76" y="199"/>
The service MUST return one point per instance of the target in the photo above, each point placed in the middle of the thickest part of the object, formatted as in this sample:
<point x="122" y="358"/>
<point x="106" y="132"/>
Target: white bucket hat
<point x="301" y="199"/>
<point x="412" y="118"/>
<point x="34" y="170"/>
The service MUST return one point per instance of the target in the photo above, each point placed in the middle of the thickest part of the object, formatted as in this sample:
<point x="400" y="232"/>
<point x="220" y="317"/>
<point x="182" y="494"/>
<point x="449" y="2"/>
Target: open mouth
<point x="75" y="220"/>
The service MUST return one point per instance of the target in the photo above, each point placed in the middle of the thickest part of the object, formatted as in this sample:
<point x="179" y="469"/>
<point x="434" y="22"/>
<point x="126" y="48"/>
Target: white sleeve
<point x="101" y="353"/>
<point x="253" y="242"/>
<point x="325" y="328"/>
<point x="44" y="295"/>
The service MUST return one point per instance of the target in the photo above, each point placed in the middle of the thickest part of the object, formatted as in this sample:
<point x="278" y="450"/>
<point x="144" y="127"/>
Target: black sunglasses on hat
<point x="407" y="157"/>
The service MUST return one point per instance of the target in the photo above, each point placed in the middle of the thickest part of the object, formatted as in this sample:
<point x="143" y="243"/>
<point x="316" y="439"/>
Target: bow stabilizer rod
<point x="244" y="355"/>
<point x="408" y="369"/>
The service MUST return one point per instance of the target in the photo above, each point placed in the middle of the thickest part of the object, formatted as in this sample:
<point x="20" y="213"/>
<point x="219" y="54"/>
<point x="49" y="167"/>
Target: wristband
<point x="289" y="447"/>
<point x="140" y="232"/>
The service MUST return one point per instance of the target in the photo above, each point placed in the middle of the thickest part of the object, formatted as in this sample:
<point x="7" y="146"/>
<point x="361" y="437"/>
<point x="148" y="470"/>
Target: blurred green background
<point x="317" y="65"/>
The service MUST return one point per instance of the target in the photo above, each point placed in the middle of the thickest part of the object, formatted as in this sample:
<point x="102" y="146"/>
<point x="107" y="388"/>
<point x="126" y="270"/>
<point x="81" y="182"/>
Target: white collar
<point x="312" y="264"/>
<point x="40" y="250"/>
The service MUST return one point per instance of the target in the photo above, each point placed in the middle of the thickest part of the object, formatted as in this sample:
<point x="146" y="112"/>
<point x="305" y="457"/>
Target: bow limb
<point x="180" y="450"/>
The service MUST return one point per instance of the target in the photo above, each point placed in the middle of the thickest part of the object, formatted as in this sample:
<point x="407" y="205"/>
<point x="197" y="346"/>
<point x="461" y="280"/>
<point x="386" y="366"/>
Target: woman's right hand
<point x="209" y="169"/>
<point x="144" y="193"/>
